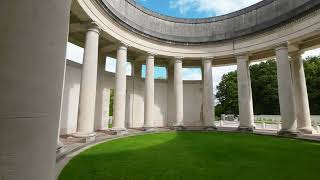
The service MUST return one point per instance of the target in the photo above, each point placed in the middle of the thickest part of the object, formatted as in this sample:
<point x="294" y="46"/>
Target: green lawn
<point x="198" y="156"/>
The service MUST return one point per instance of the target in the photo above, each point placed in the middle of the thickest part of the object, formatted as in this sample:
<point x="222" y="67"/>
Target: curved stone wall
<point x="262" y="16"/>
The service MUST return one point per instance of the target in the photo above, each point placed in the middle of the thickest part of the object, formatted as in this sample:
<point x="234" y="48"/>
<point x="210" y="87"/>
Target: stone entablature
<point x="257" y="45"/>
<point x="259" y="17"/>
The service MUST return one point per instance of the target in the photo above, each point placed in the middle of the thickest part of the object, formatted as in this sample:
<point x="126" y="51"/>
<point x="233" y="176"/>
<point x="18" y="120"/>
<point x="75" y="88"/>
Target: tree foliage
<point x="265" y="88"/>
<point x="227" y="94"/>
<point x="312" y="71"/>
<point x="111" y="102"/>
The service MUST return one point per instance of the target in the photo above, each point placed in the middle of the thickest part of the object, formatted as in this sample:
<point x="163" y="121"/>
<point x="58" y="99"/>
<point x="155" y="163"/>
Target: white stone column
<point x="60" y="144"/>
<point x="285" y="88"/>
<point x="300" y="94"/>
<point x="32" y="58"/>
<point x="88" y="85"/>
<point x="178" y="92"/>
<point x="149" y="94"/>
<point x="246" y="117"/>
<point x="171" y="109"/>
<point x="102" y="97"/>
<point x="207" y="95"/>
<point x="138" y="94"/>
<point x="119" y="109"/>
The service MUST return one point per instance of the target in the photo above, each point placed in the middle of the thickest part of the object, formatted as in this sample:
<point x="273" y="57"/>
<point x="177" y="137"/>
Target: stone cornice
<point x="229" y="27"/>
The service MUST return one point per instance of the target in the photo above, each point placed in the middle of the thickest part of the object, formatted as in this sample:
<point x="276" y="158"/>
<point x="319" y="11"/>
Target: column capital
<point x="295" y="55"/>
<point x="242" y="57"/>
<point x="281" y="46"/>
<point x="178" y="59"/>
<point x="94" y="27"/>
<point x="207" y="59"/>
<point x="151" y="54"/>
<point x="123" y="46"/>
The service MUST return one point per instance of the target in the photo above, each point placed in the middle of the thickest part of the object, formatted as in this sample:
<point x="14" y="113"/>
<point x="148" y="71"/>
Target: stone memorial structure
<point x="39" y="87"/>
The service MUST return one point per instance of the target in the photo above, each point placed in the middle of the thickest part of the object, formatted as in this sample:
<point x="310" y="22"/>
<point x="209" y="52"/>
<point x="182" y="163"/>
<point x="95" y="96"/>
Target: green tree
<point x="312" y="71"/>
<point x="227" y="95"/>
<point x="111" y="102"/>
<point x="265" y="88"/>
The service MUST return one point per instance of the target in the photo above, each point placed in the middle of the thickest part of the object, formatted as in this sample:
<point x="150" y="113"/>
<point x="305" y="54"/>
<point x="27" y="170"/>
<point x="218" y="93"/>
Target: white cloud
<point x="210" y="7"/>
<point x="314" y="52"/>
<point x="191" y="74"/>
<point x="74" y="53"/>
<point x="111" y="66"/>
<point x="218" y="72"/>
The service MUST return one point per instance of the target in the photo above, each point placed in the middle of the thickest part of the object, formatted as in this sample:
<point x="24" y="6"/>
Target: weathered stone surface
<point x="262" y="16"/>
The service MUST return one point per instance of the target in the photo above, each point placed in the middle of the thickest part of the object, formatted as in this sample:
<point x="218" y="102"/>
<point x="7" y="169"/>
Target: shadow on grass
<point x="197" y="155"/>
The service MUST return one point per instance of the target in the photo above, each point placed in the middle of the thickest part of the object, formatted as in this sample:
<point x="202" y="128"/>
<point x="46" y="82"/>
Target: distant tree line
<point x="265" y="89"/>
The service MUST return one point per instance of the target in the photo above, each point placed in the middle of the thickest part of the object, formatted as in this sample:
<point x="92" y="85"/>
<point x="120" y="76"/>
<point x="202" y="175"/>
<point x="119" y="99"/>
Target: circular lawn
<point x="197" y="156"/>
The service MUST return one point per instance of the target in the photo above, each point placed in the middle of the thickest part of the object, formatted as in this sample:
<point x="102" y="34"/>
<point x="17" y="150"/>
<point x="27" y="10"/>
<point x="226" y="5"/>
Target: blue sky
<point x="195" y="8"/>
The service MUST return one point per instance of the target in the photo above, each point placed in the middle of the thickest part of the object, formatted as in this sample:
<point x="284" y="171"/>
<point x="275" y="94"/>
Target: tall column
<point x="120" y="91"/>
<point x="149" y="94"/>
<point x="245" y="94"/>
<point x="31" y="76"/>
<point x="171" y="109"/>
<point x="287" y="110"/>
<point x="60" y="144"/>
<point x="102" y="97"/>
<point x="88" y="83"/>
<point x="300" y="94"/>
<point x="178" y="93"/>
<point x="207" y="95"/>
<point x="138" y="96"/>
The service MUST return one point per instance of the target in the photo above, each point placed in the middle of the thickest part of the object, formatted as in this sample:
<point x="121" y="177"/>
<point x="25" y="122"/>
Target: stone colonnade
<point x="293" y="96"/>
<point x="293" y="99"/>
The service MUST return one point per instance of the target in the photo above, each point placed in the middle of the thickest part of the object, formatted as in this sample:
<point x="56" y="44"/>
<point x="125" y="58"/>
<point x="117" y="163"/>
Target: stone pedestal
<point x="246" y="117"/>
<point x="120" y="92"/>
<point x="301" y="95"/>
<point x="285" y="88"/>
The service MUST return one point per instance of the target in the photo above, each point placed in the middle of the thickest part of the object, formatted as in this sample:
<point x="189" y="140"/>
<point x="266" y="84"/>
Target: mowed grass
<point x="197" y="156"/>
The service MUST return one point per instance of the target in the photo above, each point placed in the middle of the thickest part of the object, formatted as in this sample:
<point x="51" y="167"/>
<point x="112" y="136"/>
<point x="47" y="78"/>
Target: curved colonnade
<point x="250" y="34"/>
<point x="33" y="65"/>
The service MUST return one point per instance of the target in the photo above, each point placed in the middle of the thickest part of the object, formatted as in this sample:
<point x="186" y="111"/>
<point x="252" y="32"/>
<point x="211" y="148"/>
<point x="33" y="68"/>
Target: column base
<point x="307" y="130"/>
<point x="178" y="127"/>
<point x="210" y="128"/>
<point x="288" y="133"/>
<point x="88" y="136"/>
<point x="150" y="129"/>
<point x="60" y="146"/>
<point x="246" y="129"/>
<point x="104" y="130"/>
<point x="118" y="131"/>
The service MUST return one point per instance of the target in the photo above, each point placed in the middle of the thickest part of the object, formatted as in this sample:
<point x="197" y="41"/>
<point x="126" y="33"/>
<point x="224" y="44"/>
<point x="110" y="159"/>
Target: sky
<point x="183" y="9"/>
<point x="195" y="8"/>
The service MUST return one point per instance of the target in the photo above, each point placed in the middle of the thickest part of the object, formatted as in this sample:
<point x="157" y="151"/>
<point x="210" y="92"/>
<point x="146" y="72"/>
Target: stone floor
<point x="73" y="146"/>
